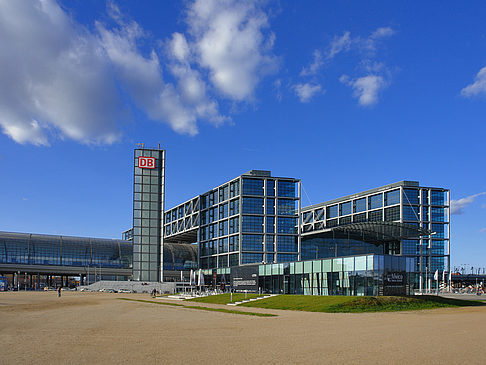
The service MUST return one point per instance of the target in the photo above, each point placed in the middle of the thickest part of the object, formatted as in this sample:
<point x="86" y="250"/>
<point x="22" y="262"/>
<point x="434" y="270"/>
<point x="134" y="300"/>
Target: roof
<point x="375" y="232"/>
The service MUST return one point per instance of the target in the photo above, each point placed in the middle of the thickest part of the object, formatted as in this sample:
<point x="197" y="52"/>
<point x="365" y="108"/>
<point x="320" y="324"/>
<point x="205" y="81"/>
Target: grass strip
<point x="224" y="298"/>
<point x="347" y="304"/>
<point x="223" y="310"/>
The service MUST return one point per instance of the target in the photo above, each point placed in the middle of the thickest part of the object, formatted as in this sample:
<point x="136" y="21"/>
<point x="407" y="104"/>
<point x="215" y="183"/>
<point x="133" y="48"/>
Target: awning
<point x="374" y="231"/>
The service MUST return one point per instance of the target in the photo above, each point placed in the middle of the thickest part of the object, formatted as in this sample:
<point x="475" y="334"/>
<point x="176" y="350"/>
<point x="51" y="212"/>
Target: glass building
<point x="41" y="257"/>
<point x="250" y="219"/>
<point x="369" y="222"/>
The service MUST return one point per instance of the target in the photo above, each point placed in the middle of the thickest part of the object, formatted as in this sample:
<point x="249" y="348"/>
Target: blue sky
<point x="345" y="95"/>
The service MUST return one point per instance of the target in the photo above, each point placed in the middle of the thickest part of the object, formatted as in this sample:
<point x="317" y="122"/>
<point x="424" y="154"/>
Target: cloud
<point x="457" y="206"/>
<point x="61" y="80"/>
<point x="365" y="88"/>
<point x="55" y="79"/>
<point x="478" y="87"/>
<point x="305" y="92"/>
<point x="483" y="230"/>
<point x="231" y="40"/>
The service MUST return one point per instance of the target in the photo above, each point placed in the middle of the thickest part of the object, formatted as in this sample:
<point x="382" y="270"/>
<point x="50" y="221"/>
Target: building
<point x="34" y="261"/>
<point x="338" y="225"/>
<point x="253" y="228"/>
<point x="247" y="220"/>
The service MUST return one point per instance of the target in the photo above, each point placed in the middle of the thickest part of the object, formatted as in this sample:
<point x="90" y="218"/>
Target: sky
<point x="345" y="95"/>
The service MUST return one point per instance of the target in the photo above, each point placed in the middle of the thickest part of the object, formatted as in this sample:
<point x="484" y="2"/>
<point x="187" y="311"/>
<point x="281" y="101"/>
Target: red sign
<point x="146" y="162"/>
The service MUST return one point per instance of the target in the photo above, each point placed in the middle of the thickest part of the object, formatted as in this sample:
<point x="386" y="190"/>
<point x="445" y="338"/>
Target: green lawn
<point x="344" y="304"/>
<point x="223" y="298"/>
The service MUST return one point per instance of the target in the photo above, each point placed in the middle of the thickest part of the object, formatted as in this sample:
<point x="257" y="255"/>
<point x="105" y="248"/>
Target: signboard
<point x="394" y="283"/>
<point x="146" y="162"/>
<point x="244" y="278"/>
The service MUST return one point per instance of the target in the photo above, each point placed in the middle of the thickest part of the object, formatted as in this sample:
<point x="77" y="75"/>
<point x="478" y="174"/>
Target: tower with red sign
<point x="148" y="210"/>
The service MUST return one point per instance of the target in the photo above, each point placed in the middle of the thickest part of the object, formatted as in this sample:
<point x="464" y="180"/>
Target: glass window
<point x="332" y="211"/>
<point x="234" y="189"/>
<point x="286" y="225"/>
<point x="410" y="213"/>
<point x="359" y="205"/>
<point x="271" y="206"/>
<point x="252" y="205"/>
<point x="286" y="189"/>
<point x="345" y="208"/>
<point x="359" y="218"/>
<point x="392" y="214"/>
<point x="270" y="225"/>
<point x="285" y="207"/>
<point x="375" y="216"/>
<point x="252" y="187"/>
<point x="392" y="197"/>
<point x="438" y="214"/>
<point x="287" y="244"/>
<point x="252" y="224"/>
<point x="234" y="207"/>
<point x="250" y="258"/>
<point x="375" y="201"/>
<point x="410" y="196"/>
<point x="271" y="187"/>
<point x="252" y="242"/>
<point x="437" y="197"/>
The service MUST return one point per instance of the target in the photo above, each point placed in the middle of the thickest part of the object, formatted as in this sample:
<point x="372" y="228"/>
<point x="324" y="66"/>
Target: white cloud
<point x="316" y="64"/>
<point x="59" y="79"/>
<point x="230" y="39"/>
<point x="457" y="206"/>
<point x="478" y="87"/>
<point x="54" y="77"/>
<point x="339" y="44"/>
<point x="365" y="88"/>
<point x="305" y="92"/>
<point x="482" y="230"/>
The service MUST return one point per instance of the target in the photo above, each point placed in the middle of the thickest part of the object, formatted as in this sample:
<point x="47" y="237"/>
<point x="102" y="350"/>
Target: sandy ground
<point x="96" y="328"/>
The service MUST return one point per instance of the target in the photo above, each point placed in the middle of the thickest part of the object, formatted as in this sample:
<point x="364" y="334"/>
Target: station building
<point x="252" y="233"/>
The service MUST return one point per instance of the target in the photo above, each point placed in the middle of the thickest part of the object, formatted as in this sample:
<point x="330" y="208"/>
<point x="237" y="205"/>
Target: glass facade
<point x="148" y="207"/>
<point x="356" y="275"/>
<point x="81" y="252"/>
<point x="241" y="220"/>
<point x="404" y="202"/>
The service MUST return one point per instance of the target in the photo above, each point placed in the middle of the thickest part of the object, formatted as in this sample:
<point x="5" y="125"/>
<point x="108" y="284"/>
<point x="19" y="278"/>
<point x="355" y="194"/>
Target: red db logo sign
<point x="146" y="162"/>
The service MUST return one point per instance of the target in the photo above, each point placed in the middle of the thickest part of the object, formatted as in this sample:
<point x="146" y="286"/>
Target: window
<point x="252" y="205"/>
<point x="410" y="196"/>
<point x="252" y="187"/>
<point x="375" y="216"/>
<point x="285" y="257"/>
<point x="286" y="225"/>
<point x="375" y="201"/>
<point x="223" y="228"/>
<point x="286" y="189"/>
<point x="437" y="214"/>
<point x="234" y="207"/>
<point x="250" y="258"/>
<point x="234" y="189"/>
<point x="344" y="220"/>
<point x="392" y="197"/>
<point x="287" y="244"/>
<point x="233" y="225"/>
<point x="271" y="206"/>
<point x="270" y="225"/>
<point x="285" y="207"/>
<point x="223" y="193"/>
<point x="359" y="205"/>
<point x="271" y="187"/>
<point x="332" y="211"/>
<point x="223" y="211"/>
<point x="252" y="242"/>
<point x="359" y="218"/>
<point x="252" y="224"/>
<point x="392" y="214"/>
<point x="331" y="223"/>
<point x="437" y="197"/>
<point x="345" y="208"/>
<point x="410" y="213"/>
<point x="234" y="243"/>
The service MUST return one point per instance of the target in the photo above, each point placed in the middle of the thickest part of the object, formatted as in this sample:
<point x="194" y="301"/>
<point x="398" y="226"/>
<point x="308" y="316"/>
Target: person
<point x="154" y="293"/>
<point x="58" y="291"/>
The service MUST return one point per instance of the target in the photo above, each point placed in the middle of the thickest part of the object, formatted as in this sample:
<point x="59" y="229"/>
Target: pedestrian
<point x="154" y="293"/>
<point x="58" y="291"/>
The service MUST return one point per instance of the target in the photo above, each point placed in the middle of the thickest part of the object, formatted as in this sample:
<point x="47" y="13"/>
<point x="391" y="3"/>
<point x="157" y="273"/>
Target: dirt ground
<point x="96" y="328"/>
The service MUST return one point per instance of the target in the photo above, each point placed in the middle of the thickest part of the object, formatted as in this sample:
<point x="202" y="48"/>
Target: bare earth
<point x="97" y="328"/>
